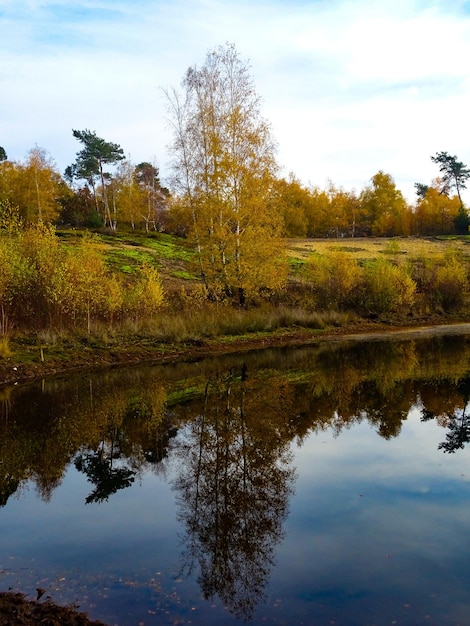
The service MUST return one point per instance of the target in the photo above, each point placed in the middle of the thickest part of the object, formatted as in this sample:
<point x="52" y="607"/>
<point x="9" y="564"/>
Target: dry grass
<point x="366" y="249"/>
<point x="225" y="321"/>
<point x="5" y="351"/>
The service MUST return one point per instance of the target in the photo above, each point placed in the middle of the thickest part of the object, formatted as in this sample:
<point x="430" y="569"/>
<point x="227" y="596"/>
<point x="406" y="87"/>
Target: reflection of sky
<point x="75" y="550"/>
<point x="380" y="528"/>
<point x="378" y="531"/>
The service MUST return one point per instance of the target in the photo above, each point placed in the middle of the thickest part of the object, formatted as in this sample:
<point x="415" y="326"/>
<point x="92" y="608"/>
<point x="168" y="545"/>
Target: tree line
<point x="86" y="194"/>
<point x="132" y="197"/>
<point x="223" y="157"/>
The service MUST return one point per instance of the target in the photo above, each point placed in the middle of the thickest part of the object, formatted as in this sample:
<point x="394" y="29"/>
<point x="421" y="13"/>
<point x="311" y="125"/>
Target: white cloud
<point x="349" y="87"/>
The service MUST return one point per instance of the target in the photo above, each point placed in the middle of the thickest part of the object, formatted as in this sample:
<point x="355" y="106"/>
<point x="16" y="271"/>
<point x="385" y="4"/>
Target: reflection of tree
<point x="8" y="486"/>
<point x="100" y="471"/>
<point x="457" y="420"/>
<point x="364" y="382"/>
<point x="386" y="412"/>
<point x="103" y="465"/>
<point x="233" y="488"/>
<point x="331" y="386"/>
<point x="43" y="427"/>
<point x="132" y="434"/>
<point x="459" y="432"/>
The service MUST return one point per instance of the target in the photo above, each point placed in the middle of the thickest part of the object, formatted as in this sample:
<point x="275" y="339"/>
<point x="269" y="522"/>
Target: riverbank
<point x="30" y="361"/>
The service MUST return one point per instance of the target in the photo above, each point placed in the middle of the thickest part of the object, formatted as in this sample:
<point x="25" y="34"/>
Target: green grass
<point x="169" y="247"/>
<point x="184" y="395"/>
<point x="126" y="252"/>
<point x="184" y="275"/>
<point x="295" y="263"/>
<point x="128" y="260"/>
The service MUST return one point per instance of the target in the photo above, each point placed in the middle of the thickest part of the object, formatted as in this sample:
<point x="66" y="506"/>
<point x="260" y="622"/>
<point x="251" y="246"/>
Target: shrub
<point x="386" y="288"/>
<point x="5" y="350"/>
<point x="451" y="284"/>
<point x="81" y="287"/>
<point x="442" y="282"/>
<point x="334" y="278"/>
<point x="146" y="296"/>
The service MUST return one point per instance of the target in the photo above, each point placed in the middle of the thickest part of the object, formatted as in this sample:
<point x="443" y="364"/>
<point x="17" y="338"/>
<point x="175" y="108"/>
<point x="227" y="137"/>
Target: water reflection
<point x="110" y="432"/>
<point x="456" y="418"/>
<point x="227" y="426"/>
<point x="114" y="425"/>
<point x="131" y="434"/>
<point x="233" y="489"/>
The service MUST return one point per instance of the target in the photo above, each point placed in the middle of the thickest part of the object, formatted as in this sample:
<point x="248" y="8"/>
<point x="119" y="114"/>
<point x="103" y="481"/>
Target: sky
<point x="350" y="87"/>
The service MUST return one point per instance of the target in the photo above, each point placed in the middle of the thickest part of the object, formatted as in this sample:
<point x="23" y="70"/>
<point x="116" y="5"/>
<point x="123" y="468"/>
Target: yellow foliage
<point x="33" y="186"/>
<point x="334" y="278"/>
<point x="146" y="296"/>
<point x="5" y="350"/>
<point x="435" y="213"/>
<point x="451" y="283"/>
<point x="386" y="209"/>
<point x="224" y="172"/>
<point x="387" y="288"/>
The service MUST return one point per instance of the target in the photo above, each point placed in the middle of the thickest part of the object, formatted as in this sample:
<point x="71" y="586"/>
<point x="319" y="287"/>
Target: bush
<point x="386" y="288"/>
<point x="81" y="288"/>
<point x="442" y="282"/>
<point x="146" y="296"/>
<point x="335" y="279"/>
<point x="451" y="284"/>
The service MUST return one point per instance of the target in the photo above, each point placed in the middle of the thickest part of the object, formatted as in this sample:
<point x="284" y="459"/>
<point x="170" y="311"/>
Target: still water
<point x="319" y="485"/>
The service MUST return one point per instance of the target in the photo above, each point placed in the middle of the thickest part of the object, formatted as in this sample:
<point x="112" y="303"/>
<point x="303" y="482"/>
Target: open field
<point x="366" y="249"/>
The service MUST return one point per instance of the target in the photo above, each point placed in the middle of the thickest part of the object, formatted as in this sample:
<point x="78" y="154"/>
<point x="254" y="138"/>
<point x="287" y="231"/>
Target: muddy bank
<point x="419" y="332"/>
<point x="16" y="610"/>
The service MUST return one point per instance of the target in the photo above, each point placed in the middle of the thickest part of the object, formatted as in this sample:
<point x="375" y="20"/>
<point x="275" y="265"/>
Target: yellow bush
<point x="387" y="288"/>
<point x="334" y="278"/>
<point x="451" y="283"/>
<point x="442" y="281"/>
<point x="146" y="296"/>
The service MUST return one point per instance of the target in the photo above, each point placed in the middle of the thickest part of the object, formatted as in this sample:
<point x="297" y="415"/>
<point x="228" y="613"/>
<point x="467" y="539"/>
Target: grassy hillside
<point x="175" y="259"/>
<point x="125" y="253"/>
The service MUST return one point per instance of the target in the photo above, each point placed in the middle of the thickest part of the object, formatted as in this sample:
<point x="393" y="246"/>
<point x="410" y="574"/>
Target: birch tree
<point x="155" y="196"/>
<point x="34" y="186"/>
<point x="385" y="208"/>
<point x="224" y="167"/>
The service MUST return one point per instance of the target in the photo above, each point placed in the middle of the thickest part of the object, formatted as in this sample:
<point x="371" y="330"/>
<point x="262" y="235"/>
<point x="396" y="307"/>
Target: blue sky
<point x="350" y="87"/>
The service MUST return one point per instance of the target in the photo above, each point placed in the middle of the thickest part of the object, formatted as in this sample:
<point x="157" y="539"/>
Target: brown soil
<point x="16" y="610"/>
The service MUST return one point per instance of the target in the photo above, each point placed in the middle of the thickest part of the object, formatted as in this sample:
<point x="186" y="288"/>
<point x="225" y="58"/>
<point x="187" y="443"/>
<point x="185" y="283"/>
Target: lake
<point x="327" y="484"/>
